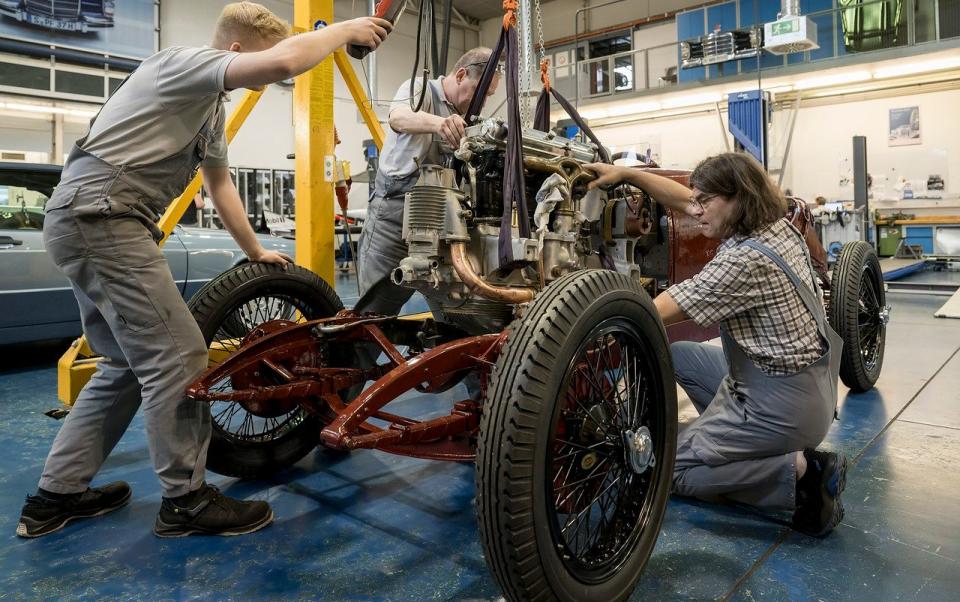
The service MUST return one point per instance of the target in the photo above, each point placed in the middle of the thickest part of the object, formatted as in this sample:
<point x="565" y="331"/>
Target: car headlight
<point x="685" y="51"/>
<point x="108" y="7"/>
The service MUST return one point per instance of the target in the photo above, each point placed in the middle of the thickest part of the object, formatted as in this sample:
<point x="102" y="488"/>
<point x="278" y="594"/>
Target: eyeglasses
<point x="483" y="64"/>
<point x="702" y="200"/>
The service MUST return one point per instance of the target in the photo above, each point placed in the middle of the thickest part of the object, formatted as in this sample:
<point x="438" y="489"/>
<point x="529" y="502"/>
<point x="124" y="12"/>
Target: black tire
<point x="228" y="308"/>
<point x="527" y="473"/>
<point x="857" y="312"/>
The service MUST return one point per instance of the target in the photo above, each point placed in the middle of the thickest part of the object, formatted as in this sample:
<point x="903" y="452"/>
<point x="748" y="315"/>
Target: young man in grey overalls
<point x="767" y="397"/>
<point x="410" y="143"/>
<point x="143" y="148"/>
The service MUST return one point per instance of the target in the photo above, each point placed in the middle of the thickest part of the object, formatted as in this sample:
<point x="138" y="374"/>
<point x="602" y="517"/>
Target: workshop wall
<point x="822" y="145"/>
<point x="27" y="135"/>
<point x="819" y="158"/>
<point x="33" y="133"/>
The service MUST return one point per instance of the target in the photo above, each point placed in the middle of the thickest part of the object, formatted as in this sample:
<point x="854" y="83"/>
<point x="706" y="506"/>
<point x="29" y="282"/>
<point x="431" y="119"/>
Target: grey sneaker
<point x="47" y="512"/>
<point x="206" y="511"/>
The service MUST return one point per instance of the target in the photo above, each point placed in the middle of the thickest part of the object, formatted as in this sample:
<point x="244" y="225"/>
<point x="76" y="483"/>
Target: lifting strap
<point x="541" y="118"/>
<point x="514" y="187"/>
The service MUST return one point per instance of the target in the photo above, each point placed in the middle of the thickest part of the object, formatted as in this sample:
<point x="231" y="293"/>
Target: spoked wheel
<point x="859" y="313"/>
<point x="253" y="439"/>
<point x="577" y="442"/>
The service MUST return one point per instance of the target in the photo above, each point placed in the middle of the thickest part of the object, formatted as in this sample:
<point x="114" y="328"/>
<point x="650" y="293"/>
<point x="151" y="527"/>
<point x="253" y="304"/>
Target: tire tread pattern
<point x="855" y="257"/>
<point x="516" y="398"/>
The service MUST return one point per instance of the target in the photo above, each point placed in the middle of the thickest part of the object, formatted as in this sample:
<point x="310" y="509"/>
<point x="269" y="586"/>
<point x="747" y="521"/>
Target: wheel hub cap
<point x="885" y="315"/>
<point x="639" y="449"/>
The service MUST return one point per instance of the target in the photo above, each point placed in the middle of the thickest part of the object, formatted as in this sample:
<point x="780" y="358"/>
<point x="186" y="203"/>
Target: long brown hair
<point x="738" y="176"/>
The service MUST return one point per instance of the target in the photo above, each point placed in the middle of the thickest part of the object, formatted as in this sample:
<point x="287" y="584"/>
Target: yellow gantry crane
<point x="317" y="171"/>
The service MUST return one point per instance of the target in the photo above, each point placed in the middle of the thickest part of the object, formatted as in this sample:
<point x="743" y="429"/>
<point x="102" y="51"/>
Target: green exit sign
<point x="780" y="28"/>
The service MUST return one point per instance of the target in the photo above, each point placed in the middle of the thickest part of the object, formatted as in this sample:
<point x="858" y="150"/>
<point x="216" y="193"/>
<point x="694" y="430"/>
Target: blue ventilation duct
<point x="747" y="118"/>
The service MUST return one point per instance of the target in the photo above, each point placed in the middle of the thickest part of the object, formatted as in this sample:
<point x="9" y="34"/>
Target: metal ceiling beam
<point x="463" y="20"/>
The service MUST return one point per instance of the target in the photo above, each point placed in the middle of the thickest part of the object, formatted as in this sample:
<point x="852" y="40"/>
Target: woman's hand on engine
<point x="607" y="175"/>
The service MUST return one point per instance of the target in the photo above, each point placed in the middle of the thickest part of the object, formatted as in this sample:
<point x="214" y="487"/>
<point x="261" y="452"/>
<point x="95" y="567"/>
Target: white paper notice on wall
<point x="904" y="127"/>
<point x="561" y="59"/>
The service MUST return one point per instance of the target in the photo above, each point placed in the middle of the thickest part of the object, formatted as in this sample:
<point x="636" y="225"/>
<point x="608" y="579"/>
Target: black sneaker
<point x="206" y="511"/>
<point x="819" y="507"/>
<point x="47" y="512"/>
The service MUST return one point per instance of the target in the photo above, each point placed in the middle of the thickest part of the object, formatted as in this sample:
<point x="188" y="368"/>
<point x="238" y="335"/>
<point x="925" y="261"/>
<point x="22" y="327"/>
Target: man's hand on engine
<point x="452" y="129"/>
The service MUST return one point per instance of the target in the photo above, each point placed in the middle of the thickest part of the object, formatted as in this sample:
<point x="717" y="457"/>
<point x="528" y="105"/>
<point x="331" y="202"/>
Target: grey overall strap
<point x="814" y="306"/>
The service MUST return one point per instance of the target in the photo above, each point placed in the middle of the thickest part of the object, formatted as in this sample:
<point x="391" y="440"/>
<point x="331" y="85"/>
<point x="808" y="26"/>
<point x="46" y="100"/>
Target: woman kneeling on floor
<point x="767" y="397"/>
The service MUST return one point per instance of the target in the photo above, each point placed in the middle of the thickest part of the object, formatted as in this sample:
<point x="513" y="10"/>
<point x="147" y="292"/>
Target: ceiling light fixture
<point x="921" y="67"/>
<point x="691" y="100"/>
<point x="49" y="110"/>
<point x="633" y="108"/>
<point x="836" y="79"/>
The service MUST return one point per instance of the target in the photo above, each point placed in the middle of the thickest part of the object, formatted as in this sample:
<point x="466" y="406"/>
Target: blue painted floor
<point x="370" y="526"/>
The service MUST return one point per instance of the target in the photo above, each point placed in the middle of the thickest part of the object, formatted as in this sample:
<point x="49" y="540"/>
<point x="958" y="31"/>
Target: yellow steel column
<point x="313" y="132"/>
<point x="364" y="104"/>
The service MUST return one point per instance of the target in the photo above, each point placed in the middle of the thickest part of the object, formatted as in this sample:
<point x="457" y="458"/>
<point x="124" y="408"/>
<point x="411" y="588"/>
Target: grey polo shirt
<point x="400" y="150"/>
<point x="162" y="107"/>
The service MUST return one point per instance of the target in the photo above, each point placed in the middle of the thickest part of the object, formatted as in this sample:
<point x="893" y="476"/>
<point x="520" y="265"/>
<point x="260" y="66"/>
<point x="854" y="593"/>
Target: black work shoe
<point x="206" y="511"/>
<point x="47" y="512"/>
<point x="819" y="507"/>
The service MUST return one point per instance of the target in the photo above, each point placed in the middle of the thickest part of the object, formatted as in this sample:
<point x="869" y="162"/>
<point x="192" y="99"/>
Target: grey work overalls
<point x="743" y="447"/>
<point x="381" y="246"/>
<point x="100" y="230"/>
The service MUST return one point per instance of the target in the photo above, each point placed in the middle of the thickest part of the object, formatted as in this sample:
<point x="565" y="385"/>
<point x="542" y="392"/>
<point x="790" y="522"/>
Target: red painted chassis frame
<point x="290" y="353"/>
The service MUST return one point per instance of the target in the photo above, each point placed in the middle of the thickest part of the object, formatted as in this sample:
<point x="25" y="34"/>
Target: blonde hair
<point x="240" y="20"/>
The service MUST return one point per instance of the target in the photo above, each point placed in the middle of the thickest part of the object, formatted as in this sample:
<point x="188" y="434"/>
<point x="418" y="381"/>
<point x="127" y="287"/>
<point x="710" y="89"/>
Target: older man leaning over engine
<point x="411" y="142"/>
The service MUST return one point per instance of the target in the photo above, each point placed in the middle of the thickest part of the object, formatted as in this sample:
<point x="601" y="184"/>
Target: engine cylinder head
<point x="426" y="206"/>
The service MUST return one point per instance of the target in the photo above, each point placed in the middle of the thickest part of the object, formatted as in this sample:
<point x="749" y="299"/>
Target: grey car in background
<point x="36" y="301"/>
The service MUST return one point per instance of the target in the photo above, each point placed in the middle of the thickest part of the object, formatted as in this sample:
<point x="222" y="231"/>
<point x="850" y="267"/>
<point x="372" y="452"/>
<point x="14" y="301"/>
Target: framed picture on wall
<point x="904" y="127"/>
<point x="125" y="29"/>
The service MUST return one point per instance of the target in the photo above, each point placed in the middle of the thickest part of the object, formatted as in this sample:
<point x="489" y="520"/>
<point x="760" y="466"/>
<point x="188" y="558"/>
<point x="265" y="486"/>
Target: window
<point x="21" y="208"/>
<point x="949" y="18"/>
<point x="72" y="82"/>
<point x="872" y="26"/>
<point x="115" y="83"/>
<point x="283" y="190"/>
<point x="32" y="75"/>
<point x="24" y="76"/>
<point x="264" y="186"/>
<point x="608" y="76"/>
<point x="247" y="187"/>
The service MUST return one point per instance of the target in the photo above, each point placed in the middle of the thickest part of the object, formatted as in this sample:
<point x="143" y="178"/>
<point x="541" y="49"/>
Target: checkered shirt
<point x="754" y="300"/>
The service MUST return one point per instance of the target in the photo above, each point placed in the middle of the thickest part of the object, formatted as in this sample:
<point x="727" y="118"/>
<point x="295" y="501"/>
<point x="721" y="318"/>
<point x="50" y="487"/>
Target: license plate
<point x="54" y="23"/>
